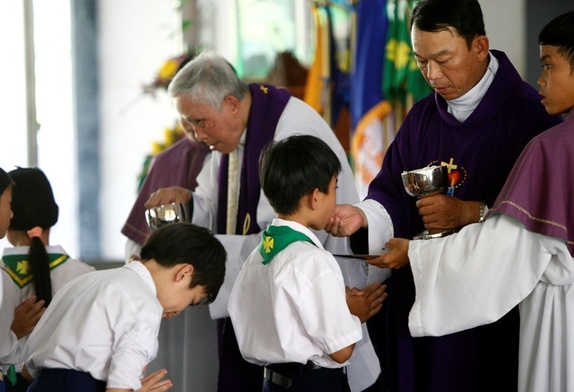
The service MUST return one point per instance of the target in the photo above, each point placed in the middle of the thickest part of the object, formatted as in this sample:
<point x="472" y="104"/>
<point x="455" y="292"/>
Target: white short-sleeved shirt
<point x="294" y="308"/>
<point x="104" y="323"/>
<point x="59" y="276"/>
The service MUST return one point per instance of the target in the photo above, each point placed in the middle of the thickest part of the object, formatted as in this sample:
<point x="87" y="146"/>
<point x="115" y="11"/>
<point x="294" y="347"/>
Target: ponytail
<point x="39" y="264"/>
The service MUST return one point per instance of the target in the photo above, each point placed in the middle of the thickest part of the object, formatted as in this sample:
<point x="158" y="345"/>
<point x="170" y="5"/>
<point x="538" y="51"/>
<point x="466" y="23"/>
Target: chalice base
<point x="425" y="235"/>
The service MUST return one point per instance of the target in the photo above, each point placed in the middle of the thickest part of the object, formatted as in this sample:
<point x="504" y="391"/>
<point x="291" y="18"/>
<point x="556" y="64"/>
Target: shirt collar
<point x="299" y="227"/>
<point x="143" y="273"/>
<point x="462" y="107"/>
<point x="18" y="250"/>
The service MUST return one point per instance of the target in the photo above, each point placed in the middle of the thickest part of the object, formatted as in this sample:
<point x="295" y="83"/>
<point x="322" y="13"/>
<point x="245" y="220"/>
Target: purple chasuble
<point x="267" y="105"/>
<point x="480" y="152"/>
<point x="179" y="165"/>
<point x="538" y="191"/>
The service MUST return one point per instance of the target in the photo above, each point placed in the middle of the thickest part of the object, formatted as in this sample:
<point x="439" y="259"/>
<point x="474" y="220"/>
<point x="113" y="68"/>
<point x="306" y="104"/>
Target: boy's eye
<point x="546" y="66"/>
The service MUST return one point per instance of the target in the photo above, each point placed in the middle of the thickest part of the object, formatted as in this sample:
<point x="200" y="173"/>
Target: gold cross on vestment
<point x="449" y="166"/>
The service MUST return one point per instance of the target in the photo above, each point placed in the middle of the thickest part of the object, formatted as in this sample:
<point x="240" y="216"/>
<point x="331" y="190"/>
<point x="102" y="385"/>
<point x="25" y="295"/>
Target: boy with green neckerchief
<point x="289" y="306"/>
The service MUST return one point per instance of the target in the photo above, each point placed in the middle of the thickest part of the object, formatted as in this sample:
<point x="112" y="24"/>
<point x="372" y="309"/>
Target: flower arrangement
<point x="171" y="135"/>
<point x="166" y="73"/>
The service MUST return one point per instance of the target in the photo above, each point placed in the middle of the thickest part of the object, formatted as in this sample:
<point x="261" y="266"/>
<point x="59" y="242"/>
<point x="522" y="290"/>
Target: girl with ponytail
<point x="36" y="267"/>
<point x="16" y="319"/>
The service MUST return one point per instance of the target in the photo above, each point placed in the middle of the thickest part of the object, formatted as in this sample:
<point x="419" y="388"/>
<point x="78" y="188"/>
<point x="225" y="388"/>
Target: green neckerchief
<point x="11" y="375"/>
<point x="277" y="238"/>
<point x="19" y="269"/>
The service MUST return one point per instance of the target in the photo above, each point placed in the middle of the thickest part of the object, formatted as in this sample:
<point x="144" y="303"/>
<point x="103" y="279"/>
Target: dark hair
<point x="293" y="167"/>
<point x="5" y="180"/>
<point x="33" y="205"/>
<point x="465" y="16"/>
<point x="560" y="32"/>
<point x="181" y="242"/>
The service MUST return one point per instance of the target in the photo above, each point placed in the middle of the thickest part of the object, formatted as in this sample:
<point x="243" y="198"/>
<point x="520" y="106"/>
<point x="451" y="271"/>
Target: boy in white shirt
<point x="100" y="331"/>
<point x="289" y="306"/>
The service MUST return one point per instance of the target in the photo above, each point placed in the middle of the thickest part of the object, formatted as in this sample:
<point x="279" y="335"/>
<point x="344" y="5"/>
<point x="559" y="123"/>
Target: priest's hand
<point x="174" y="194"/>
<point x="442" y="212"/>
<point x="345" y="220"/>
<point x="396" y="255"/>
<point x="367" y="302"/>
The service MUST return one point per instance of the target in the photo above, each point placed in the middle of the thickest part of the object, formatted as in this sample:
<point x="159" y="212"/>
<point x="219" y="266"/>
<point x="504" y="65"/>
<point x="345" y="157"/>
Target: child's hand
<point x="26" y="316"/>
<point x="367" y="302"/>
<point x="154" y="382"/>
<point x="168" y="315"/>
<point x="26" y="373"/>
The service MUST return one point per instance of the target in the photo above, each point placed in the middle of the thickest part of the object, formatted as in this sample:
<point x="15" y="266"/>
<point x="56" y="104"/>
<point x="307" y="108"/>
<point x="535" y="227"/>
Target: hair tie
<point x="35" y="231"/>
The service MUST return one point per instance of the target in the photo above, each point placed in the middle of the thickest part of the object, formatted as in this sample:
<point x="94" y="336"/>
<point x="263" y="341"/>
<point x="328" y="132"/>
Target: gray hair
<point x="208" y="79"/>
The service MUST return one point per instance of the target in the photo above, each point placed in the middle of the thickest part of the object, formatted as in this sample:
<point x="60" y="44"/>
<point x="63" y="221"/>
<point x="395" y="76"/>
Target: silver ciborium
<point x="167" y="213"/>
<point x="424" y="182"/>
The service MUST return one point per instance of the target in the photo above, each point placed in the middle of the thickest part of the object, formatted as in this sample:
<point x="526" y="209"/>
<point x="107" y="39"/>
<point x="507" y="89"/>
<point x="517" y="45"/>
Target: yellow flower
<point x="156" y="148"/>
<point x="168" y="69"/>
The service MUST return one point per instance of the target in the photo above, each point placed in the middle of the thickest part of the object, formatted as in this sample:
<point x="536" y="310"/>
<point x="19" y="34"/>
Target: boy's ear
<point x="312" y="199"/>
<point x="183" y="272"/>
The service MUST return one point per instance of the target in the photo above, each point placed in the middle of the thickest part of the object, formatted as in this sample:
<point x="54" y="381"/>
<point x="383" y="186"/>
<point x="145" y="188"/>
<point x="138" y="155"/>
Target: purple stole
<point x="267" y="105"/>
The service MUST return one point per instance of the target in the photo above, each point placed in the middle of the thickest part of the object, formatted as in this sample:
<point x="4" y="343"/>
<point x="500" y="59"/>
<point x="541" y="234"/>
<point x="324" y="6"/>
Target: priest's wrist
<point x="481" y="212"/>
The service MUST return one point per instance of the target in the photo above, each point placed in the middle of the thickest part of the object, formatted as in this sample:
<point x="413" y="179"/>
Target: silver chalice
<point x="424" y="182"/>
<point x="167" y="213"/>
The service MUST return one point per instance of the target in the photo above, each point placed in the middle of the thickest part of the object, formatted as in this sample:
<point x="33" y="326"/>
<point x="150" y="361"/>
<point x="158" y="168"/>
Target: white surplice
<point x="476" y="276"/>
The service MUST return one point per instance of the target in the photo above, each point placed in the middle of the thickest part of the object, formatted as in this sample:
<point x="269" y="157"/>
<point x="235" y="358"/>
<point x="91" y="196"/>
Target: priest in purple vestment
<point x="523" y="253"/>
<point x="236" y="120"/>
<point x="476" y="123"/>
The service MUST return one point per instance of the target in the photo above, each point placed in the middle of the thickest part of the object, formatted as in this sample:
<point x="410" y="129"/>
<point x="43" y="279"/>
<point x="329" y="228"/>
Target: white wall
<point x="137" y="36"/>
<point x="505" y="23"/>
<point x="55" y="155"/>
